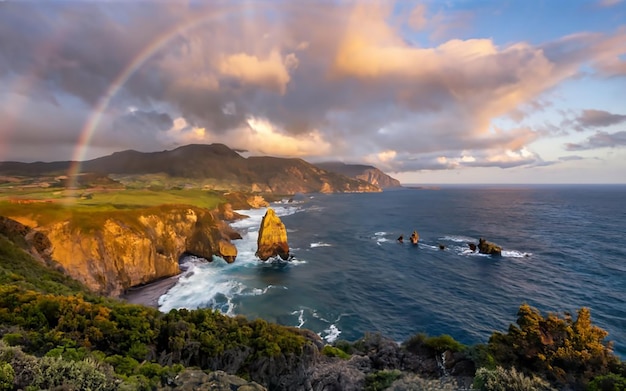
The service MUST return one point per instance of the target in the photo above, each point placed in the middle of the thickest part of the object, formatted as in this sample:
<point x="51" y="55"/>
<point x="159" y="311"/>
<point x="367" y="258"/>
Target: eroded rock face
<point x="272" y="240"/>
<point x="139" y="248"/>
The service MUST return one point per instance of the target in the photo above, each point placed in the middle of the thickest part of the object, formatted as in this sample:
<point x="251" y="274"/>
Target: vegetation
<point x="55" y="333"/>
<point x="47" y="207"/>
<point x="501" y="379"/>
<point x="438" y="344"/>
<point x="381" y="380"/>
<point x="333" y="351"/>
<point x="565" y="351"/>
<point x="20" y="269"/>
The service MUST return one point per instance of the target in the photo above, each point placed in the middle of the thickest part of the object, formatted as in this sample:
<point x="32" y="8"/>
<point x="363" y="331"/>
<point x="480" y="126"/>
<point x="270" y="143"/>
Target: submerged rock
<point x="272" y="239"/>
<point x="485" y="247"/>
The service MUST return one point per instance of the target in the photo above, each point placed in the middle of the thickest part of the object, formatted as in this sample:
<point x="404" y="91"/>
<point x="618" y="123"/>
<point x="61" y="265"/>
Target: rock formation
<point x="415" y="238"/>
<point x="137" y="247"/>
<point x="272" y="240"/>
<point x="485" y="247"/>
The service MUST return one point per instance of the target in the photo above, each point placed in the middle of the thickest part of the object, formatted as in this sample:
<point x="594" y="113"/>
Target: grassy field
<point x="46" y="206"/>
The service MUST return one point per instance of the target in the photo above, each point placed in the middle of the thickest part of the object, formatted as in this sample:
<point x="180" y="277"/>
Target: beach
<point x="149" y="294"/>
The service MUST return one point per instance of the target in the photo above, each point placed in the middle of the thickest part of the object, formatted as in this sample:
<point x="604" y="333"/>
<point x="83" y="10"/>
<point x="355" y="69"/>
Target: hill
<point x="214" y="166"/>
<point x="369" y="174"/>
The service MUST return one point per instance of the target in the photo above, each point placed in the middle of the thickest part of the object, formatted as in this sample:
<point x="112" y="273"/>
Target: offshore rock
<point x="138" y="247"/>
<point x="485" y="247"/>
<point x="272" y="240"/>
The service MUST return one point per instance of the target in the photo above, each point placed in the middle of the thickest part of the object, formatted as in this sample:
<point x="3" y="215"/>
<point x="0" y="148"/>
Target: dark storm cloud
<point x="600" y="139"/>
<point x="143" y="122"/>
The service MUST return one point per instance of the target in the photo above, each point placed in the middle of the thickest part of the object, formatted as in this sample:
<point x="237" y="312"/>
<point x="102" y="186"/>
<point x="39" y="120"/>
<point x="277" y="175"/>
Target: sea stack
<point x="272" y="239"/>
<point x="485" y="247"/>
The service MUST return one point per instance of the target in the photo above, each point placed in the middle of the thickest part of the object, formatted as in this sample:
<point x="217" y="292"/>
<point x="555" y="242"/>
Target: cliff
<point x="366" y="173"/>
<point x="114" y="252"/>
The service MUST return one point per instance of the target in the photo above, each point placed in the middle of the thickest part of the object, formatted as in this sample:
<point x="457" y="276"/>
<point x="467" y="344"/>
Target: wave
<point x="319" y="244"/>
<point x="331" y="333"/>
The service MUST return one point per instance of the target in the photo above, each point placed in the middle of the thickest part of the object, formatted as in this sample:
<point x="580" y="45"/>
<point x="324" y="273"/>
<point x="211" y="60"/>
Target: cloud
<point x="271" y="73"/>
<point x="570" y="158"/>
<point x="608" y="3"/>
<point x="599" y="118"/>
<point x="417" y="17"/>
<point x="334" y="79"/>
<point x="600" y="139"/>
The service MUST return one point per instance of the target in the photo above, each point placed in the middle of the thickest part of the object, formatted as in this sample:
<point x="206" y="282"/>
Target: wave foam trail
<point x="459" y="239"/>
<point x="319" y="244"/>
<point x="301" y="320"/>
<point x="515" y="254"/>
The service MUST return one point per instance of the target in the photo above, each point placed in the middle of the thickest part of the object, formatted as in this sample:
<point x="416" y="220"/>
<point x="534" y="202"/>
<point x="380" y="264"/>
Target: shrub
<point x="77" y="375"/>
<point x="610" y="382"/>
<point x="332" y="351"/>
<point x="501" y="379"/>
<point x="381" y="380"/>
<point x="439" y="344"/>
<point x="565" y="351"/>
<point x="7" y="375"/>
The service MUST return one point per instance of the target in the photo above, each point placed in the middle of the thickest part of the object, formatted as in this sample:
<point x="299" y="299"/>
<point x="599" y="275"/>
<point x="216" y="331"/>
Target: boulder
<point x="272" y="239"/>
<point x="485" y="247"/>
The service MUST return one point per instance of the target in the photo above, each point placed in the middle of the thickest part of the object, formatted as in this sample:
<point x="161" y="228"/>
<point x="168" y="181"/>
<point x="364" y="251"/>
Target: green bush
<point x="568" y="352"/>
<point x="381" y="380"/>
<point x="610" y="382"/>
<point x="332" y="351"/>
<point x="439" y="344"/>
<point x="74" y="375"/>
<point x="7" y="375"/>
<point x="501" y="379"/>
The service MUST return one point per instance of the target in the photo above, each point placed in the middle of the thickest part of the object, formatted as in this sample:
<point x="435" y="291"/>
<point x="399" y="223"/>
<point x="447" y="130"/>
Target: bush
<point x="567" y="352"/>
<point x="439" y="344"/>
<point x="501" y="379"/>
<point x="75" y="375"/>
<point x="611" y="382"/>
<point x="7" y="375"/>
<point x="332" y="351"/>
<point x="381" y="380"/>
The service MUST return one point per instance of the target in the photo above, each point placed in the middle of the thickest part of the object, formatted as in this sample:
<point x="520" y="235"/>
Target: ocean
<point x="564" y="247"/>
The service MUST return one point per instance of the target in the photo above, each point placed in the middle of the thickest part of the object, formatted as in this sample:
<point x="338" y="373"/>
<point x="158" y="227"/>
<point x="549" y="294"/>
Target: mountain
<point x="369" y="174"/>
<point x="211" y="166"/>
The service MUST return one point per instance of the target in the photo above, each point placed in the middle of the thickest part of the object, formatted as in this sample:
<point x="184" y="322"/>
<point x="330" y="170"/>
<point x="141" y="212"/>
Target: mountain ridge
<point x="226" y="169"/>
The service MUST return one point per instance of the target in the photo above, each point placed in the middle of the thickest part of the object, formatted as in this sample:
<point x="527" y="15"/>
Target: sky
<point x="432" y="91"/>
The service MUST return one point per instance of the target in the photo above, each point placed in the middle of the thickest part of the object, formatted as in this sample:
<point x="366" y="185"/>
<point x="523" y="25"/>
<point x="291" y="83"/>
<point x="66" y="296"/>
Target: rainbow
<point x="96" y="114"/>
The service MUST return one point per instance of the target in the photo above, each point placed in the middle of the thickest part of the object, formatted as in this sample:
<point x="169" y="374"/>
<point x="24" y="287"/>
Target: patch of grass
<point x="332" y="351"/>
<point x="88" y="213"/>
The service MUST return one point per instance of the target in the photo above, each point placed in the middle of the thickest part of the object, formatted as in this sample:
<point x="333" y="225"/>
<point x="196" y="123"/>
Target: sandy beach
<point x="149" y="294"/>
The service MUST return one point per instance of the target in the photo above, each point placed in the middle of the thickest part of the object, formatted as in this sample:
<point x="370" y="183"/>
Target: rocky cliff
<point x="369" y="174"/>
<point x="137" y="246"/>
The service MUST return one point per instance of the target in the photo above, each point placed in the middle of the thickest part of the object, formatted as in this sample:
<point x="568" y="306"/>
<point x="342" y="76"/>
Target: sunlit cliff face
<point x="411" y="87"/>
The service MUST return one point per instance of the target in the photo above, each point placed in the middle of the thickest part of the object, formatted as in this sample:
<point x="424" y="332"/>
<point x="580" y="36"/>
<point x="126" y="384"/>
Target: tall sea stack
<point x="272" y="239"/>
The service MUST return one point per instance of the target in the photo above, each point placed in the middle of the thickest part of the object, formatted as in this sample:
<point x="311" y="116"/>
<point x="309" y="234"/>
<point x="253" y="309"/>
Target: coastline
<point x="149" y="294"/>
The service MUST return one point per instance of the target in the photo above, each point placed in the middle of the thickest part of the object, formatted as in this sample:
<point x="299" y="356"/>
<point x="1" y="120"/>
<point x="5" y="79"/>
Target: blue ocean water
<point x="564" y="248"/>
